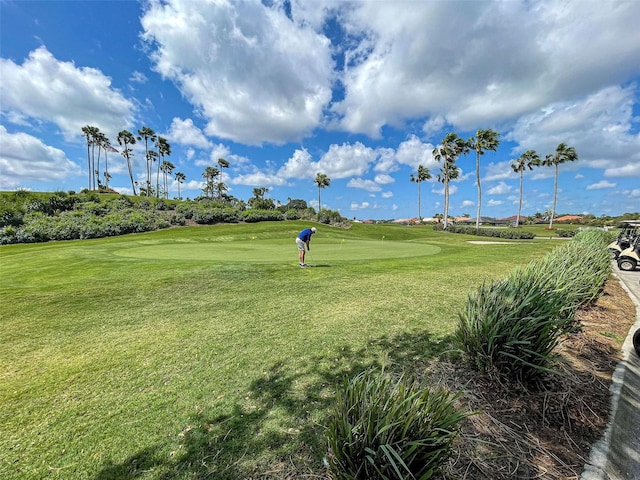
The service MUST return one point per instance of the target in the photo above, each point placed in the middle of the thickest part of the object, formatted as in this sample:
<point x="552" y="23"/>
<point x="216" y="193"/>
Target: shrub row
<point x="510" y="233"/>
<point x="511" y="327"/>
<point x="81" y="225"/>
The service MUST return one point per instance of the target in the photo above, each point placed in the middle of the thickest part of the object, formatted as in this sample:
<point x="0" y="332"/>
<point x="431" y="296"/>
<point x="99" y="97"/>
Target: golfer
<point x="304" y="237"/>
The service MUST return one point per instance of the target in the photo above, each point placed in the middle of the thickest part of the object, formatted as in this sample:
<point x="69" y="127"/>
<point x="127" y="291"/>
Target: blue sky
<point x="361" y="91"/>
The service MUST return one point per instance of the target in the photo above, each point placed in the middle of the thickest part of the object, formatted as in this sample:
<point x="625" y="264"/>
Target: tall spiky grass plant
<point x="511" y="327"/>
<point x="383" y="428"/>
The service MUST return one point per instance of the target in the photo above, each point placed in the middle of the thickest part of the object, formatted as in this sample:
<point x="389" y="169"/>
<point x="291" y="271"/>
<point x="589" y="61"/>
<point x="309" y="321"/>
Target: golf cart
<point x="630" y="230"/>
<point x="629" y="258"/>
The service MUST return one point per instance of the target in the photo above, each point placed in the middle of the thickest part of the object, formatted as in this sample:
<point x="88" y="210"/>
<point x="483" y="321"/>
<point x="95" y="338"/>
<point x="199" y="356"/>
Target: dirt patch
<point x="545" y="434"/>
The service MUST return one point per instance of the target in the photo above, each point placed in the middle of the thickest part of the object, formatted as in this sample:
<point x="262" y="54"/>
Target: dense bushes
<point x="81" y="225"/>
<point x="510" y="233"/>
<point x="27" y="217"/>
<point x="384" y="428"/>
<point x="511" y="327"/>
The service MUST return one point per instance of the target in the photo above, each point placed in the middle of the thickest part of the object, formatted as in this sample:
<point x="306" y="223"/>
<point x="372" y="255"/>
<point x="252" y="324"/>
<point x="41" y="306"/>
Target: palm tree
<point x="90" y="133"/>
<point x="321" y="181"/>
<point x="222" y="163"/>
<point x="126" y="138"/>
<point x="423" y="174"/>
<point x="210" y="174"/>
<point x="164" y="148"/>
<point x="527" y="160"/>
<point x="166" y="167"/>
<point x="107" y="148"/>
<point x="484" y="140"/>
<point x="151" y="156"/>
<point x="448" y="152"/>
<point x="101" y="142"/>
<point x="562" y="154"/>
<point x="146" y="134"/>
<point x="180" y="177"/>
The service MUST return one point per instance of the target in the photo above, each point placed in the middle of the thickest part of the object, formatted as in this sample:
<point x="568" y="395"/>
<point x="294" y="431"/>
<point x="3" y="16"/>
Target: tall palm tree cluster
<point x="214" y="187"/>
<point x="452" y="147"/>
<point x="156" y="149"/>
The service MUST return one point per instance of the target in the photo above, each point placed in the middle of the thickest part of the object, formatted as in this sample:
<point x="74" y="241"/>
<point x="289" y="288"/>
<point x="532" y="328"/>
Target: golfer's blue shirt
<point x="305" y="235"/>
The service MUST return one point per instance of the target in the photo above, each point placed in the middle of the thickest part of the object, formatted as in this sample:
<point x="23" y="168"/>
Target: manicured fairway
<point x="207" y="352"/>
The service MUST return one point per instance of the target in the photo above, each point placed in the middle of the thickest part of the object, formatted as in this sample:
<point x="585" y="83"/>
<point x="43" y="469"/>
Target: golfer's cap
<point x="313" y="229"/>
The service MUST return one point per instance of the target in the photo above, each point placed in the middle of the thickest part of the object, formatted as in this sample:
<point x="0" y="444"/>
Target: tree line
<point x="214" y="187"/>
<point x="452" y="147"/>
<point x="156" y="149"/>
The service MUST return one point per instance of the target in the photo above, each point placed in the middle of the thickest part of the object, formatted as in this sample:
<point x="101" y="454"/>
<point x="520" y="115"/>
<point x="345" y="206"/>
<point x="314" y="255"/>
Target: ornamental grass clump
<point x="382" y="428"/>
<point x="511" y="327"/>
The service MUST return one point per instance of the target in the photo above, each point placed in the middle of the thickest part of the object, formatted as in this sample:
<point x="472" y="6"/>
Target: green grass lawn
<point x="206" y="352"/>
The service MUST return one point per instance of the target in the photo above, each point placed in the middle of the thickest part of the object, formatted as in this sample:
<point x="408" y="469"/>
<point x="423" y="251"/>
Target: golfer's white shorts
<point x="300" y="244"/>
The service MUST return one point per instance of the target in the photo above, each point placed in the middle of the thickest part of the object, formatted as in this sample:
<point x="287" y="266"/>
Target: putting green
<point x="278" y="251"/>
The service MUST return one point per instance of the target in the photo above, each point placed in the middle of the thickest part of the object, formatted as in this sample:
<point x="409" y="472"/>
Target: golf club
<point x="309" y="256"/>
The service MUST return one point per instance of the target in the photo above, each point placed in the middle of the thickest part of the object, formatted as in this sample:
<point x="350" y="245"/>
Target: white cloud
<point x="506" y="59"/>
<point x="602" y="184"/>
<point x="388" y="194"/>
<point x="599" y="126"/>
<point x="138" y="77"/>
<point x="368" y="185"/>
<point x="256" y="75"/>
<point x="359" y="206"/>
<point x="299" y="166"/>
<point x="440" y="191"/>
<point x="499" y="171"/>
<point x="434" y="125"/>
<point x="467" y="203"/>
<point x="624" y="170"/>
<point x="384" y="179"/>
<point x="414" y="152"/>
<point x="185" y="132"/>
<point x="494" y="203"/>
<point x="346" y="160"/>
<point x="500" y="189"/>
<point x="24" y="158"/>
<point x="46" y="89"/>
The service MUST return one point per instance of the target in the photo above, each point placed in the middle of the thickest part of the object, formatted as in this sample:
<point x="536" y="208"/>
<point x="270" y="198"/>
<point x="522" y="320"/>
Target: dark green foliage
<point x="10" y="216"/>
<point x="327" y="217"/>
<point x="565" y="233"/>
<point x="382" y="428"/>
<point x="255" y="215"/>
<point x="292" y="215"/>
<point x="511" y="327"/>
<point x="27" y="217"/>
<point x="510" y="233"/>
<point x="210" y="216"/>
